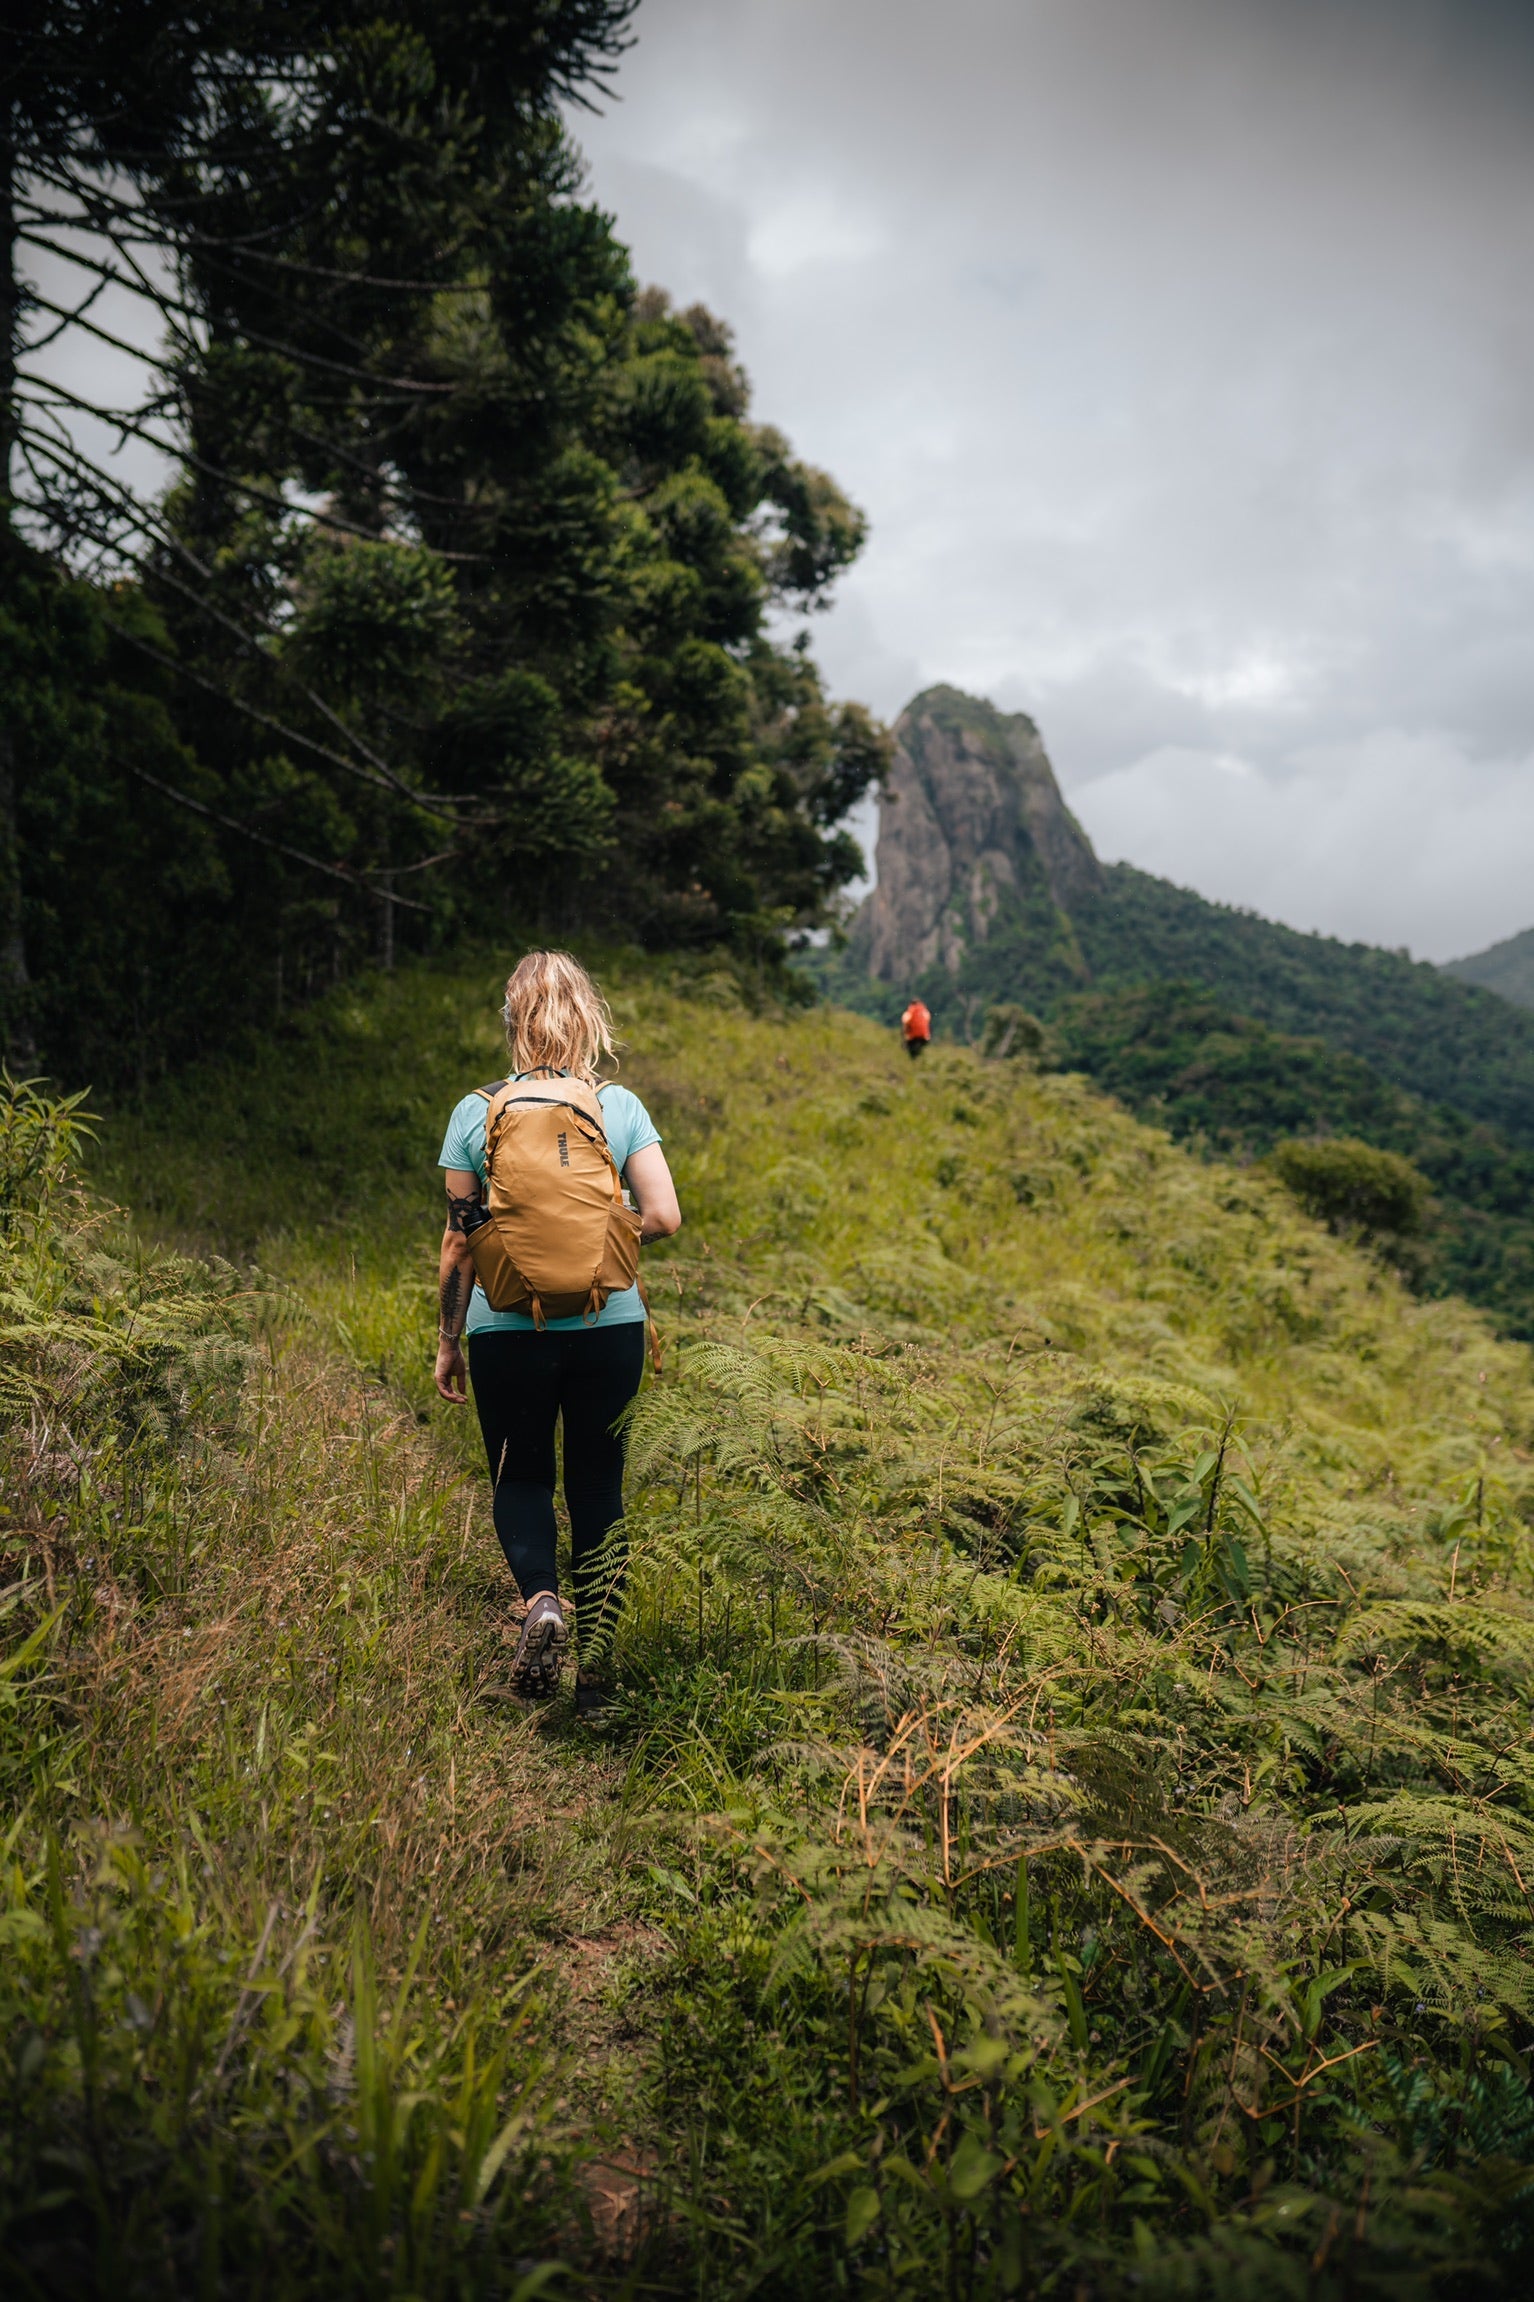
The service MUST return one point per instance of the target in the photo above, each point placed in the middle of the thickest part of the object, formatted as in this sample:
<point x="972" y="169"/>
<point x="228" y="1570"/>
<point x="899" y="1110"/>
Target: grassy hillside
<point x="1436" y="1033"/>
<point x="1236" y="1087"/>
<point x="1066" y="1824"/>
<point x="1232" y="1030"/>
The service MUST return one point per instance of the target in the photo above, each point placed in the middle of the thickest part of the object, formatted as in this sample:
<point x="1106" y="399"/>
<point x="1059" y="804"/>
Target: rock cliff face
<point x="973" y="837"/>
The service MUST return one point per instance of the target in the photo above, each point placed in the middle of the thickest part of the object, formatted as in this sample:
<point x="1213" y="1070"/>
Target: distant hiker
<point x="539" y="1268"/>
<point x="915" y="1028"/>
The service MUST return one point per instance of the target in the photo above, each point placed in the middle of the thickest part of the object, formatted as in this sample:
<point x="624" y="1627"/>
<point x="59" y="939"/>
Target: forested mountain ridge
<point x="1011" y="931"/>
<point x="1506" y="968"/>
<point x="1237" y="1088"/>
<point x="1228" y="1028"/>
<point x="1446" y="1041"/>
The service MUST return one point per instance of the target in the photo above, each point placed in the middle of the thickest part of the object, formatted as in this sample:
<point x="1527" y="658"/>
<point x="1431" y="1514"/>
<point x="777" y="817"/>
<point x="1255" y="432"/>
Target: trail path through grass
<point x="318" y="1163"/>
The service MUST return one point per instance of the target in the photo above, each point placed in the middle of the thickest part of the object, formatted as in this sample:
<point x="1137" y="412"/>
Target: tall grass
<point x="276" y="1905"/>
<point x="1068" y="1812"/>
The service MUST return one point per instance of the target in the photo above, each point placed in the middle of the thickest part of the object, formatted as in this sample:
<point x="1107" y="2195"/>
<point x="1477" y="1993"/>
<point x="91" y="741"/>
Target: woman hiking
<point x="542" y="1219"/>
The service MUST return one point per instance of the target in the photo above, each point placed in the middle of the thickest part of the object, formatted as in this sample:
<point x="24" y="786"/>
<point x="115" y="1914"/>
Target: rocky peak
<point x="972" y="832"/>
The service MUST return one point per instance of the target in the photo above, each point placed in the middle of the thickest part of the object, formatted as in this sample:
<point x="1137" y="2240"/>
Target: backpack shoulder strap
<point x="494" y="1098"/>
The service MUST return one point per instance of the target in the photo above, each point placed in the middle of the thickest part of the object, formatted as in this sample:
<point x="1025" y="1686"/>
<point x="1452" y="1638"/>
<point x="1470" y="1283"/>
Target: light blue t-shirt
<point x="629" y="1129"/>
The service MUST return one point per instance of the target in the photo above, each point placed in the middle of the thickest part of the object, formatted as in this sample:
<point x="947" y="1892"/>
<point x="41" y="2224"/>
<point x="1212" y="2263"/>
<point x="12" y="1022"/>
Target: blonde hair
<point x="555" y="1017"/>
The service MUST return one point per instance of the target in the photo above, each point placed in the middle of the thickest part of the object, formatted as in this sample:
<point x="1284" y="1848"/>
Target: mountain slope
<point x="1338" y="1037"/>
<point x="1506" y="968"/>
<point x="1237" y="1087"/>
<point x="1442" y="1040"/>
<point x="972" y="829"/>
<point x="1111" y="925"/>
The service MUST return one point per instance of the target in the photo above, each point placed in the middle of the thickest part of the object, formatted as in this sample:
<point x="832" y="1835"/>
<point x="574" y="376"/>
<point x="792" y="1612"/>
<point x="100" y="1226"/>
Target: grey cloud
<point x="1182" y="352"/>
<point x="704" y="234"/>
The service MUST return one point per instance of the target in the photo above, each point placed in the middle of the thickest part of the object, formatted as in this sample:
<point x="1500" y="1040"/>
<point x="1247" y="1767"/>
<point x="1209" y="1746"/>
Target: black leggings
<point x="522" y="1381"/>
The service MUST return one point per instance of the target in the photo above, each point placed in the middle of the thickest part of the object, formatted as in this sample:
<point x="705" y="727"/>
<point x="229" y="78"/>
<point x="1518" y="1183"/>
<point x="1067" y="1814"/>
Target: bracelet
<point x="446" y="1335"/>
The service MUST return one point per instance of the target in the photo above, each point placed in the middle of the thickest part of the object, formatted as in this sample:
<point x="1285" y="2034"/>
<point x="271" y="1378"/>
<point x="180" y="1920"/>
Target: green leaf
<point x="1022" y="1945"/>
<point x="672" y="1882"/>
<point x="849" y="2162"/>
<point x="972" y="2167"/>
<point x="863" y="2209"/>
<point x="1235" y="1573"/>
<point x="1316" y="1994"/>
<point x="1245" y="1497"/>
<point x="986" y="2055"/>
<point x="542" y="2275"/>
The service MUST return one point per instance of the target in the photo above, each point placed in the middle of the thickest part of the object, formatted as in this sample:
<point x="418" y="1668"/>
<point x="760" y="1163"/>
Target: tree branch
<point x="352" y="879"/>
<point x="175" y="452"/>
<point x="384" y="777"/>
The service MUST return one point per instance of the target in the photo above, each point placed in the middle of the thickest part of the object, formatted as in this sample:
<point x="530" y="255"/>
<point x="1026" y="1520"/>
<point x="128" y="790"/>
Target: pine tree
<point x="455" y="615"/>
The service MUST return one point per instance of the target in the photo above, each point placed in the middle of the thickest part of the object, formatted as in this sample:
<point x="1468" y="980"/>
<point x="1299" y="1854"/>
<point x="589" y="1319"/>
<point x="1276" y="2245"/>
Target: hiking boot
<point x="592" y="1696"/>
<point x="540" y="1654"/>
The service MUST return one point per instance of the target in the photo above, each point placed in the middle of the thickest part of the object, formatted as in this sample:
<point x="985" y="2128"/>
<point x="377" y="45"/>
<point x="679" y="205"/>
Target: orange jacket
<point x="916" y="1023"/>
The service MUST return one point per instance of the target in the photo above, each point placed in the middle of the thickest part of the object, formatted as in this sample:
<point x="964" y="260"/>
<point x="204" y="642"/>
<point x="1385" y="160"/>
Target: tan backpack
<point x="558" y="1239"/>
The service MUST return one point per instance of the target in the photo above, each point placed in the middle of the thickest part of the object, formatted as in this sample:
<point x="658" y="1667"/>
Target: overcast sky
<point x="1182" y="355"/>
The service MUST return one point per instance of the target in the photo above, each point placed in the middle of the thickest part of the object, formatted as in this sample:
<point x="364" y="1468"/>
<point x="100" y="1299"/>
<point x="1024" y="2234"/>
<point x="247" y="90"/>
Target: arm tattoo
<point x="465" y="1214"/>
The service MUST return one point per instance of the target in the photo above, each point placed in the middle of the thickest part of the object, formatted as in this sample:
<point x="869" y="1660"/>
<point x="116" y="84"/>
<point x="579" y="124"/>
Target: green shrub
<point x="1352" y="1186"/>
